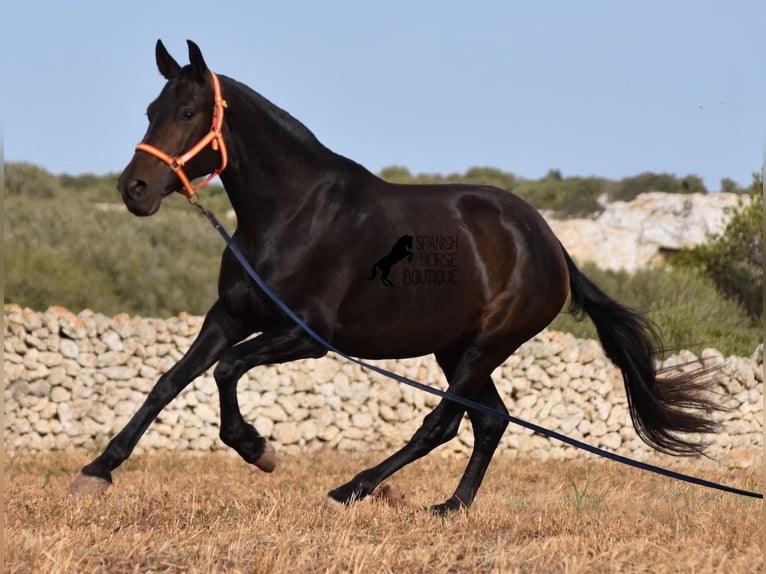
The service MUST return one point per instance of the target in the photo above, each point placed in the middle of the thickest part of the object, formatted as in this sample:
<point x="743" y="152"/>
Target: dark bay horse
<point x="310" y="222"/>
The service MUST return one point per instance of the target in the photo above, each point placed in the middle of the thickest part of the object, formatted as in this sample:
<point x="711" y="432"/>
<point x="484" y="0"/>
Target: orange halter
<point x="214" y="137"/>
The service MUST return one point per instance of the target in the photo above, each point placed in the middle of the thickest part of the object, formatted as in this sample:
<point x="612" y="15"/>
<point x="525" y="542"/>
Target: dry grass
<point x="213" y="513"/>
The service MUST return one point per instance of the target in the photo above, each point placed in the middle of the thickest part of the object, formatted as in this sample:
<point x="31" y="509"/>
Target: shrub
<point x="687" y="308"/>
<point x="733" y="259"/>
<point x="70" y="242"/>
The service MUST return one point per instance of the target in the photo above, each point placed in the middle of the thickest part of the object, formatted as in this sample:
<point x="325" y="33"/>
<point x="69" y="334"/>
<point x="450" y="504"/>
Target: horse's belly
<point x="409" y="329"/>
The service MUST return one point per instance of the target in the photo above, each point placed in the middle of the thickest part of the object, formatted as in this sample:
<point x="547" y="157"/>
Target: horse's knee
<point x="438" y="428"/>
<point x="228" y="369"/>
<point x="488" y="430"/>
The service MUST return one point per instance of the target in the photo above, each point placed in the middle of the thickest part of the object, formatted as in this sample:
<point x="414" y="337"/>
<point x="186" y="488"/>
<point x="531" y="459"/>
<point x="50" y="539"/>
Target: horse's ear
<point x="199" y="67"/>
<point x="165" y="62"/>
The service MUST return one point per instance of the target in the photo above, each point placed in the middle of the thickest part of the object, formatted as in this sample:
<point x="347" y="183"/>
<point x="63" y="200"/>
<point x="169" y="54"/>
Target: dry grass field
<point x="213" y="513"/>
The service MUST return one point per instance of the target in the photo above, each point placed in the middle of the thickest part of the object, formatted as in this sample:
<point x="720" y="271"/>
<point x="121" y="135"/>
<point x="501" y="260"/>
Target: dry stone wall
<point x="72" y="381"/>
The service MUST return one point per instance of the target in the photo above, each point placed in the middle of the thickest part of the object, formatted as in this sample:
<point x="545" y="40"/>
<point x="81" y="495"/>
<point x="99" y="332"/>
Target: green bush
<point x="70" y="242"/>
<point x="66" y="250"/>
<point x="733" y="259"/>
<point x="629" y="187"/>
<point x="686" y="307"/>
<point x="565" y="196"/>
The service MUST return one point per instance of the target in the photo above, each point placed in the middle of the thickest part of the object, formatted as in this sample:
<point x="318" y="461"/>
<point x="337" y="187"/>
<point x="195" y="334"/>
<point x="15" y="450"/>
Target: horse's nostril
<point x="136" y="187"/>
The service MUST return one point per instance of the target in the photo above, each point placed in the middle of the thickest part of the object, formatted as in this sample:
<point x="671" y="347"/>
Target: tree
<point x="554" y="175"/>
<point x="728" y="185"/>
<point x="733" y="259"/>
<point x="396" y="174"/>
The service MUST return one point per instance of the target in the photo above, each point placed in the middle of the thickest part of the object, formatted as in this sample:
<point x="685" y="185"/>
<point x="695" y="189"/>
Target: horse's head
<point x="179" y="118"/>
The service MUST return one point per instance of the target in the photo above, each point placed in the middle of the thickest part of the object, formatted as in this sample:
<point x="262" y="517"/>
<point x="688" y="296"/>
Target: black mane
<point x="279" y="116"/>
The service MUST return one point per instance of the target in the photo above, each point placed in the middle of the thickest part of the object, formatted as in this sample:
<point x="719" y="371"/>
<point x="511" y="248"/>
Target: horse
<point x="401" y="249"/>
<point x="297" y="201"/>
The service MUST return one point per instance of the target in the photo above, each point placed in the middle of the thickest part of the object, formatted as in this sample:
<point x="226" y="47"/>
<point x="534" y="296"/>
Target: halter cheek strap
<point x="214" y="138"/>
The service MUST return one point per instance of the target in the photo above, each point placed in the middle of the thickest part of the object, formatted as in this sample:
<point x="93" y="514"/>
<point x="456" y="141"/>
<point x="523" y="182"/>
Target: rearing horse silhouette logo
<point x="401" y="249"/>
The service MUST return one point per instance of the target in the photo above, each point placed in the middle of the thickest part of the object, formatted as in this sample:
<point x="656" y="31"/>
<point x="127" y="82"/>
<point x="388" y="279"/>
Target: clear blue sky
<point x="591" y="88"/>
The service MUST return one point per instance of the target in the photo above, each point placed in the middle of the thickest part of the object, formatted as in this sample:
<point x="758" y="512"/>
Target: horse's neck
<point x="274" y="160"/>
<point x="266" y="172"/>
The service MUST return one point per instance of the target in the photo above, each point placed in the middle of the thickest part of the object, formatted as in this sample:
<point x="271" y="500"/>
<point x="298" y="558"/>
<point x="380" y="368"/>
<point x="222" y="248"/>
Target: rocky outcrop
<point x="631" y="235"/>
<point x="72" y="381"/>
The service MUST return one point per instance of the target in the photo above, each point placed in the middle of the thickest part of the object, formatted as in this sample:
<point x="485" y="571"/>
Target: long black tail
<point x="660" y="406"/>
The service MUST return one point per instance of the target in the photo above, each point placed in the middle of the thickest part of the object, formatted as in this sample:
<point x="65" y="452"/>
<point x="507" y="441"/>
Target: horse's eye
<point x="187" y="115"/>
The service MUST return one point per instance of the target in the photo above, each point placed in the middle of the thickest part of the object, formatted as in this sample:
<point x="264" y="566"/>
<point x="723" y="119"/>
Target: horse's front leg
<point x="219" y="331"/>
<point x="279" y="345"/>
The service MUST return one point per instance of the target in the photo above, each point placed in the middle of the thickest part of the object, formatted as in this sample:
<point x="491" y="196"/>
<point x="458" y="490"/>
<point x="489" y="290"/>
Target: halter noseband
<point x="214" y="137"/>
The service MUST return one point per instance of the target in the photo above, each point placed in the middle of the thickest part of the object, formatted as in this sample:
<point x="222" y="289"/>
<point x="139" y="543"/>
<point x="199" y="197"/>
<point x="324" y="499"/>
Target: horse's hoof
<point x="268" y="460"/>
<point x="86" y="485"/>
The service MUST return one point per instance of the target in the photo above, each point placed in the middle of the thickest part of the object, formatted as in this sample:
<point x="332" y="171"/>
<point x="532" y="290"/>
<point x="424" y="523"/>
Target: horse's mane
<point x="282" y="118"/>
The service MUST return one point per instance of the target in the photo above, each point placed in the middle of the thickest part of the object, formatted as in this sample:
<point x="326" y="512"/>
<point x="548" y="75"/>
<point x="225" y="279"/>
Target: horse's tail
<point x="374" y="272"/>
<point x="660" y="406"/>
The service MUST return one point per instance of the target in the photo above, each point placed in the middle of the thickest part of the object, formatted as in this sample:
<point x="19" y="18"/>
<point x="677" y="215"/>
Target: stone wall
<point x="72" y="381"/>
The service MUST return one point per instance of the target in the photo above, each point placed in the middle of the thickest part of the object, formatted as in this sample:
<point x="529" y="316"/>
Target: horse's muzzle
<point x="138" y="198"/>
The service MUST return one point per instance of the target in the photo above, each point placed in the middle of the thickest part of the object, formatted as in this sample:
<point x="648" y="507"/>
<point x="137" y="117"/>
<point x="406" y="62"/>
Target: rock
<point x="630" y="235"/>
<point x="361" y="420"/>
<point x="39" y="388"/>
<point x="329" y="433"/>
<point x="389" y="393"/>
<point x="112" y="340"/>
<point x="60" y="395"/>
<point x="206" y="414"/>
<point x="274" y="412"/>
<point x="100" y="413"/>
<point x="49" y="359"/>
<point x="324" y="370"/>
<point x="308" y="430"/>
<point x="18" y="389"/>
<point x="611" y="441"/>
<point x="590" y="351"/>
<point x="42" y="427"/>
<point x="264" y="426"/>
<point x="119" y="373"/>
<point x="125" y="409"/>
<point x="286" y="432"/>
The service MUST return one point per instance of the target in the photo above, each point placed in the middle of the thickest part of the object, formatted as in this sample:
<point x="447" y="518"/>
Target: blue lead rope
<point x="452" y="397"/>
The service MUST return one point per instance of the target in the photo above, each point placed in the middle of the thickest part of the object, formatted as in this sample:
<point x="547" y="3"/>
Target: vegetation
<point x="210" y="513"/>
<point x="70" y="242"/>
<point x="686" y="308"/>
<point x="564" y="196"/>
<point x="711" y="296"/>
<point x="733" y="259"/>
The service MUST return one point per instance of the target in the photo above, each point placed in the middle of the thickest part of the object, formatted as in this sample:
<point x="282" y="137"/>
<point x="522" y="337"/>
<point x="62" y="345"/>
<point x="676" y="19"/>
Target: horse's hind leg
<point x="439" y="426"/>
<point x="487" y="430"/>
<point x="384" y="271"/>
